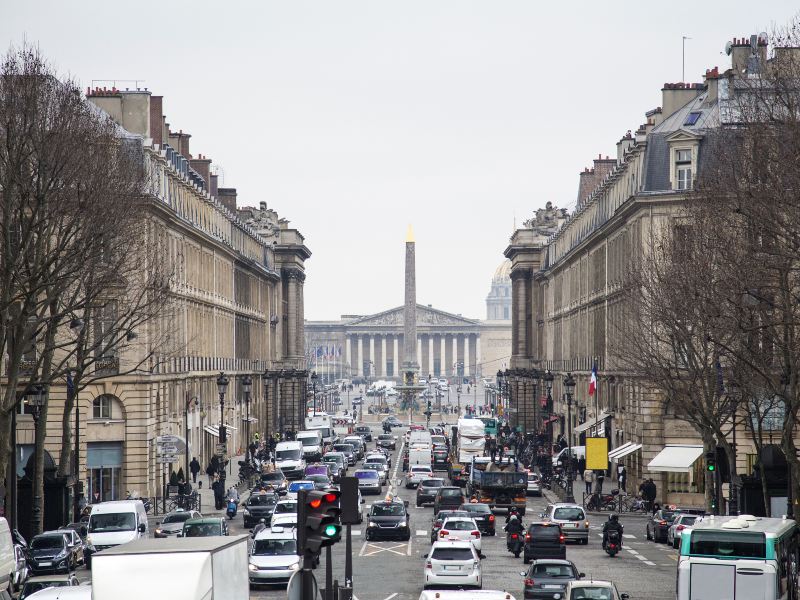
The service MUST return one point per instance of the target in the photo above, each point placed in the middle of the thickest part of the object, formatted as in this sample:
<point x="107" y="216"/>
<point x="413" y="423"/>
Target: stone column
<point x="383" y="356"/>
<point x="467" y="370"/>
<point x="442" y="356"/>
<point x="424" y="354"/>
<point x="519" y="307"/>
<point x="360" y="365"/>
<point x="418" y="360"/>
<point x="372" y="355"/>
<point x="396" y="356"/>
<point x="451" y="364"/>
<point x="292" y="310"/>
<point x="347" y="354"/>
<point x="473" y="354"/>
<point x="430" y="354"/>
<point x="478" y="365"/>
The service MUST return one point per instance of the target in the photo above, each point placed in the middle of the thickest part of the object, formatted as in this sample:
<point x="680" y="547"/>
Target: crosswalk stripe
<point x="421" y="532"/>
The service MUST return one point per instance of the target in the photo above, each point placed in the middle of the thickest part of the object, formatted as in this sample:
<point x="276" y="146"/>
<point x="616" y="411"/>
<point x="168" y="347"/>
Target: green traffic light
<point x="712" y="467"/>
<point x="331" y="530"/>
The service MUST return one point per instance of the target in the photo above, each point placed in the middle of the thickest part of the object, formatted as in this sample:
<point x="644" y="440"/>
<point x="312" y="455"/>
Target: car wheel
<point x="585" y="541"/>
<point x="675" y="543"/>
<point x="419" y="504"/>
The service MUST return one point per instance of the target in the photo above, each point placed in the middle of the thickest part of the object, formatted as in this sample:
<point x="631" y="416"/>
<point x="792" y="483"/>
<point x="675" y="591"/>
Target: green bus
<point x="489" y="425"/>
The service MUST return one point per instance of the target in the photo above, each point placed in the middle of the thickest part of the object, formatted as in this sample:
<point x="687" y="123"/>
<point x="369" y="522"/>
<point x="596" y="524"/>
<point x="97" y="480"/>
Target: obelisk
<point x="410" y="310"/>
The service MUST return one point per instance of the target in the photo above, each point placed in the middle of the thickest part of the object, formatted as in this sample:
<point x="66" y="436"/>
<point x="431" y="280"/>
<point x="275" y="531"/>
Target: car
<point x="449" y="496"/>
<point x="273" y="557"/>
<point x="317" y="469"/>
<point x="417" y="473"/>
<point x="377" y="457"/>
<point x="441" y="459"/>
<point x="437" y="439"/>
<point x="369" y="481"/>
<point x="321" y="482"/>
<point x="416" y="427"/>
<point x="284" y="507"/>
<point x="534" y="485"/>
<point x="54" y="552"/>
<point x="285" y="520"/>
<point x="338" y="464"/>
<point x="679" y="525"/>
<point x="452" y="563"/>
<point x="35" y="584"/>
<point x="296" y="486"/>
<point x="392" y="421"/>
<point x="543" y="539"/>
<point x="20" y="567"/>
<point x="388" y="519"/>
<point x="572" y="518"/>
<point x="461" y="528"/>
<point x="258" y="506"/>
<point x="381" y="469"/>
<point x="76" y="542"/>
<point x="348" y="451"/>
<point x="439" y="519"/>
<point x="365" y="432"/>
<point x="594" y="589"/>
<point x="204" y="527"/>
<point x="275" y="480"/>
<point x="426" y="490"/>
<point x="482" y="513"/>
<point x="387" y="440"/>
<point x="658" y="525"/>
<point x="358" y="444"/>
<point x="547" y="578"/>
<point x="172" y="524"/>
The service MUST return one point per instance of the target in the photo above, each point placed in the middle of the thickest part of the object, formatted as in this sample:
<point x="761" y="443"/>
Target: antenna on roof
<point x="683" y="57"/>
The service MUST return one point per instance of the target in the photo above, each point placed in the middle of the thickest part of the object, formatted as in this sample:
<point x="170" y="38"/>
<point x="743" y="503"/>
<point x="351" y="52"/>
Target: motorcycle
<point x="233" y="506"/>
<point x="514" y="543"/>
<point x="613" y="543"/>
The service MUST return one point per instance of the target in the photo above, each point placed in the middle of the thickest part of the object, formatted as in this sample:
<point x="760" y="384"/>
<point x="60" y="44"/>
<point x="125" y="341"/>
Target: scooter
<point x="514" y="543"/>
<point x="613" y="543"/>
<point x="233" y="506"/>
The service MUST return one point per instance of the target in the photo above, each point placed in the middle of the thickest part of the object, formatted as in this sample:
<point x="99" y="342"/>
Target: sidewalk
<point x="577" y="492"/>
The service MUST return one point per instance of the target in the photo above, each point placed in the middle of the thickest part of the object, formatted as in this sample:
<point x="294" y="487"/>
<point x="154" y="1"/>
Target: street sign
<point x="220" y="450"/>
<point x="168" y="439"/>
<point x="167" y="459"/>
<point x="167" y="449"/>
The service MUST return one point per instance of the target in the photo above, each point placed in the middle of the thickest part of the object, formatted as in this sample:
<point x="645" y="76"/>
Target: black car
<point x="365" y="432"/>
<point x="392" y="421"/>
<point x="389" y="520"/>
<point x="258" y="506"/>
<point x="427" y="488"/>
<point x="448" y="497"/>
<point x="482" y="513"/>
<point x="544" y="539"/>
<point x="547" y="578"/>
<point x="387" y="440"/>
<point x="348" y="451"/>
<point x="658" y="525"/>
<point x="441" y="459"/>
<point x="53" y="552"/>
<point x="441" y="517"/>
<point x="274" y="479"/>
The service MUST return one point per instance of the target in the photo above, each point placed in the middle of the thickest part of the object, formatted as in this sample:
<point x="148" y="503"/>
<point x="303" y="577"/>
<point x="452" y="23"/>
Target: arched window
<point x="106" y="407"/>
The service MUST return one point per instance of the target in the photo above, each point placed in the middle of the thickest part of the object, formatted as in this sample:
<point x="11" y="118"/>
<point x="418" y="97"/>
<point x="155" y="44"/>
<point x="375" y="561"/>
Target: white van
<point x="114" y="523"/>
<point x="8" y="560"/>
<point x="289" y="459"/>
<point x="312" y="444"/>
<point x="577" y="451"/>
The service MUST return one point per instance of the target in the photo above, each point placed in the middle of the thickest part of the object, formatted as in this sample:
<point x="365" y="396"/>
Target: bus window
<point x="728" y="545"/>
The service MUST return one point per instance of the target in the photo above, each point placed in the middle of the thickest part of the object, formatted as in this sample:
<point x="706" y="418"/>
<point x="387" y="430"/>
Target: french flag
<point x="593" y="380"/>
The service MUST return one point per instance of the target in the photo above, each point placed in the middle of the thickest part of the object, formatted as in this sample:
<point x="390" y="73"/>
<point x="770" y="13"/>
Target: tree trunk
<point x="5" y="452"/>
<point x="730" y="456"/>
<point x="65" y="455"/>
<point x="708" y="446"/>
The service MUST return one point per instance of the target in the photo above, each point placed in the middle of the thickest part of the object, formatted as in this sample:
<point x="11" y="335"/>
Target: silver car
<point x="273" y="556"/>
<point x="173" y="522"/>
<point x="572" y="518"/>
<point x="369" y="482"/>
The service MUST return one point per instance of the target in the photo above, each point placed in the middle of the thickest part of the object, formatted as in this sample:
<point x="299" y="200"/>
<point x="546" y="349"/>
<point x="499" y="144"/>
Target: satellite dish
<point x="728" y="47"/>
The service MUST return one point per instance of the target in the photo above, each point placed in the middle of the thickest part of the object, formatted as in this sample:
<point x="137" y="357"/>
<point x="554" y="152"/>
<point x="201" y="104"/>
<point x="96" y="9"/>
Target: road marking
<point x="389" y="597"/>
<point x="629" y="536"/>
<point x="356" y="532"/>
<point x="421" y="532"/>
<point x="363" y="548"/>
<point x="652" y="564"/>
<point x="408" y="549"/>
<point x="393" y="549"/>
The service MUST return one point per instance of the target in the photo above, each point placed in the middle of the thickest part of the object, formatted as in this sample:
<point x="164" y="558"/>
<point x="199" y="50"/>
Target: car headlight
<point x="294" y="566"/>
<point x="252" y="567"/>
<point x="245" y="511"/>
<point x="372" y="524"/>
<point x="62" y="554"/>
<point x="402" y="524"/>
<point x="158" y="532"/>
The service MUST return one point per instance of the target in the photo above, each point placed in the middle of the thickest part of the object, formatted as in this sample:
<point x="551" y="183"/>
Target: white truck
<point x="312" y="444"/>
<point x="323" y="422"/>
<point x="471" y="440"/>
<point x="176" y="568"/>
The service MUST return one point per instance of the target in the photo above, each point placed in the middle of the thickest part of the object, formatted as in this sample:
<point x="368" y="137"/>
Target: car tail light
<point x="662" y="522"/>
<point x="514" y="536"/>
<point x="444" y="533"/>
<point x="476" y="533"/>
<point x="491" y="518"/>
<point x="428" y="565"/>
<point x="561" y="538"/>
<point x="529" y="582"/>
<point x="680" y="528"/>
<point x="527" y="537"/>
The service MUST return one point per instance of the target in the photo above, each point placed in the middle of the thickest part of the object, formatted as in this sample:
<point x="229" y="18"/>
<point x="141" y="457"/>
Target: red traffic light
<point x="315" y="503"/>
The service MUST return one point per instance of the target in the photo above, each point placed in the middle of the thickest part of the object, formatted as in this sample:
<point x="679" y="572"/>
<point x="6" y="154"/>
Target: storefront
<point x="684" y="478"/>
<point x="104" y="471"/>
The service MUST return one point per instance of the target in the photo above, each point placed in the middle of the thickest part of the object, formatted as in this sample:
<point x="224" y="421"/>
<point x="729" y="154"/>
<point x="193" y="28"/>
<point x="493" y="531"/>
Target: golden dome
<point x="503" y="272"/>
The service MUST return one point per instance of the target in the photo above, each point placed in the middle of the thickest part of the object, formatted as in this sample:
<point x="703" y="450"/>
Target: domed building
<point x="498" y="302"/>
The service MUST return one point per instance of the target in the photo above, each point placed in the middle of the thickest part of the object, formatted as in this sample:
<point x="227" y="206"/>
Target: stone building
<point x="237" y="308"/>
<point x="566" y="282"/>
<point x="496" y="329"/>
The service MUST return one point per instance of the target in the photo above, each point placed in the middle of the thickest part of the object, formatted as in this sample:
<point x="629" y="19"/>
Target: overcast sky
<point x="353" y="119"/>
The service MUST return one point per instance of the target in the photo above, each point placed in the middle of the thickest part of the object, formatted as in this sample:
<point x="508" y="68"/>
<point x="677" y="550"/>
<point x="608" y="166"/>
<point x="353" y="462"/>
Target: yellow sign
<point x="597" y="453"/>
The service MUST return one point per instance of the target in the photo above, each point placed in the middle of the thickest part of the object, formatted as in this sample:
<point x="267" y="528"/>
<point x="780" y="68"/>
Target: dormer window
<point x="683" y="169"/>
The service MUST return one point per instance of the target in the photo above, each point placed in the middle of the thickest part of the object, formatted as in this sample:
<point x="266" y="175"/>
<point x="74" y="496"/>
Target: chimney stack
<point x="227" y="196"/>
<point x="156" y="119"/>
<point x="213" y="187"/>
<point x="203" y="167"/>
<point x="677" y="95"/>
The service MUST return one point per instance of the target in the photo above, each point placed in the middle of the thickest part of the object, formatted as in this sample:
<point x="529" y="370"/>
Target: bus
<point x="739" y="557"/>
<point x="489" y="425"/>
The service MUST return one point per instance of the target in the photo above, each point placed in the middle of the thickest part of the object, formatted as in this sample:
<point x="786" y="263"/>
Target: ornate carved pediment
<point x="425" y="316"/>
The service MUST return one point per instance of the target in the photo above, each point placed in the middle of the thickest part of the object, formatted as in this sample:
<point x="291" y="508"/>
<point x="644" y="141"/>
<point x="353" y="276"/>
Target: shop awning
<point x="588" y="424"/>
<point x="617" y="453"/>
<point x="250" y="419"/>
<point x="677" y="458"/>
<point x="214" y="430"/>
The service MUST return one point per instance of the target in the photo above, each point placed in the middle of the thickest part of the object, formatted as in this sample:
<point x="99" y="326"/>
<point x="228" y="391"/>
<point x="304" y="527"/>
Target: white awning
<point x="214" y="430"/>
<point x="676" y="458"/>
<point x="588" y="424"/>
<point x="250" y="419"/>
<point x="623" y="451"/>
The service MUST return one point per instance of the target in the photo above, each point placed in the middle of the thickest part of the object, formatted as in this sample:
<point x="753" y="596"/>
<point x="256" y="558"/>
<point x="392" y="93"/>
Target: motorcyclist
<point x="612" y="524"/>
<point x="387" y="428"/>
<point x="512" y="512"/>
<point x="262" y="524"/>
<point x="514" y="525"/>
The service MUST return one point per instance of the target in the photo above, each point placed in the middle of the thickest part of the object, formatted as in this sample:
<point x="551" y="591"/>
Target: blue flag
<point x="70" y="384"/>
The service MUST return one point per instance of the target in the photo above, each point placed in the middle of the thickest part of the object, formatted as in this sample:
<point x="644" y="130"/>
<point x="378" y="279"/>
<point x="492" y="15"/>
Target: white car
<point x="286" y="521"/>
<point x="679" y="525"/>
<point x="461" y="528"/>
<point x="380" y="458"/>
<point x="296" y="486"/>
<point x="273" y="556"/>
<point x="534" y="484"/>
<point x="465" y="595"/>
<point x="591" y="589"/>
<point x="417" y="473"/>
<point x="452" y="563"/>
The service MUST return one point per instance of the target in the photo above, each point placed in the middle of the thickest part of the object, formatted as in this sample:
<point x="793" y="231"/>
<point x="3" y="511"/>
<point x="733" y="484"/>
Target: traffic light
<point x="319" y="524"/>
<point x="711" y="461"/>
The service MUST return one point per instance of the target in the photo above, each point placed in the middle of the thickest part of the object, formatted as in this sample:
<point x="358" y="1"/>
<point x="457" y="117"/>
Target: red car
<point x="415" y="427"/>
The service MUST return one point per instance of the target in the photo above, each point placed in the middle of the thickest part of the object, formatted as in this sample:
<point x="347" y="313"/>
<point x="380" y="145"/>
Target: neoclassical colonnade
<point x="379" y="354"/>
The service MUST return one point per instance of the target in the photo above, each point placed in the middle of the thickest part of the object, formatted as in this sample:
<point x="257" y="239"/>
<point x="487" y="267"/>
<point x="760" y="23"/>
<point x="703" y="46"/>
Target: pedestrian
<point x="588" y="480"/>
<point x="622" y="475"/>
<point x="211" y="471"/>
<point x="651" y="492"/>
<point x="218" y="488"/>
<point x="96" y="498"/>
<point x="194" y="469"/>
<point x="601" y="476"/>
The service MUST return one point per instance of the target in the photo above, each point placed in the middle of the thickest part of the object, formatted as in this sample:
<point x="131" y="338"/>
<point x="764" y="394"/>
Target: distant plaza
<point x="368" y="347"/>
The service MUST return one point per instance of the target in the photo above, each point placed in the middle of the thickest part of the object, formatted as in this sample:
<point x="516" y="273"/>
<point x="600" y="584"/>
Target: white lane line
<point x="629" y="536"/>
<point x="363" y="549"/>
<point x="421" y="532"/>
<point x="408" y="548"/>
<point x="648" y="562"/>
<point x="390" y="597"/>
<point x="356" y="532"/>
<point x="634" y="552"/>
<point x="397" y="462"/>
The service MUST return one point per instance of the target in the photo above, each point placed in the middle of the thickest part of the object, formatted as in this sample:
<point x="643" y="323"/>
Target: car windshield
<point x="277" y="476"/>
<point x="725" y="544"/>
<point x="385" y="436"/>
<point x="445" y="514"/>
<point x="458" y="525"/>
<point x="432" y="483"/>
<point x="366" y="475"/>
<point x="35" y="586"/>
<point x="300" y="485"/>
<point x="47" y="542"/>
<point x="112" y="522"/>
<point x="451" y="493"/>
<point x="177" y="517"/>
<point x="286" y="507"/>
<point x="544" y="532"/>
<point x="592" y="593"/>
<point x="202" y="530"/>
<point x="274" y="547"/>
<point x="310" y="441"/>
<point x="551" y="570"/>
<point x="452" y="554"/>
<point x="373" y="467"/>
<point x="477" y="508"/>
<point x="388" y="510"/>
<point x="568" y="514"/>
<point x="377" y="459"/>
<point x="262" y="500"/>
<point x="335" y="458"/>
<point x="346" y="448"/>
<point x="686" y="520"/>
<point x="287" y="454"/>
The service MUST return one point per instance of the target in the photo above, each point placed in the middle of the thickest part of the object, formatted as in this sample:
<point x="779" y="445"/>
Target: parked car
<point x="258" y="506"/>
<point x="389" y="519"/>
<point x="173" y="522"/>
<point x="679" y="524"/>
<point x="572" y="518"/>
<point x="548" y="577"/>
<point x="452" y="563"/>
<point x="365" y="432"/>
<point x="483" y="515"/>
<point x="36" y="584"/>
<point x="544" y="539"/>
<point x="426" y="490"/>
<point x="205" y="527"/>
<point x="448" y="497"/>
<point x="54" y="552"/>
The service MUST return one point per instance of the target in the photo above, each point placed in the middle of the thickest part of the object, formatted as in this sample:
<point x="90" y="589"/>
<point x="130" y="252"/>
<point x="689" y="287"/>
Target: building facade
<point x="236" y="307"/>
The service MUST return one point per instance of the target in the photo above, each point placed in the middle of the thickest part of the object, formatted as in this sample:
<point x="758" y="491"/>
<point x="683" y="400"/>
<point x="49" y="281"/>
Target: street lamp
<point x="314" y="389"/>
<point x="569" y="389"/>
<point x="499" y="395"/>
<point x="536" y="376"/>
<point x="222" y="387"/>
<point x="189" y="402"/>
<point x="37" y="403"/>
<point x="247" y="386"/>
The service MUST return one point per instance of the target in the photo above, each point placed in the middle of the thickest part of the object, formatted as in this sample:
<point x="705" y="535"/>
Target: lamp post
<point x="38" y="399"/>
<point x="247" y="386"/>
<point x="536" y="375"/>
<point x="499" y="395"/>
<point x="314" y="389"/>
<point x="189" y="402"/>
<point x="222" y="387"/>
<point x="548" y="384"/>
<point x="569" y="387"/>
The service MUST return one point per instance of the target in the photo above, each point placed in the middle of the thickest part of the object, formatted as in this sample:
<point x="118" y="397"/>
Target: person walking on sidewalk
<point x="588" y="479"/>
<point x="194" y="469"/>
